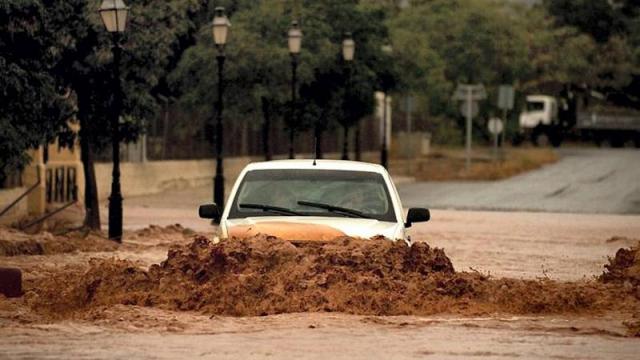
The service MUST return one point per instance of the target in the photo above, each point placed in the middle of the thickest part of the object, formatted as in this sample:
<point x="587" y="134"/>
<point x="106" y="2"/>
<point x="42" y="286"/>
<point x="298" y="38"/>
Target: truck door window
<point x="535" y="106"/>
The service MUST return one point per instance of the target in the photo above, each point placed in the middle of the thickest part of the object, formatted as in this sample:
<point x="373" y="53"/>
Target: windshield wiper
<point x="335" y="209"/>
<point x="270" y="208"/>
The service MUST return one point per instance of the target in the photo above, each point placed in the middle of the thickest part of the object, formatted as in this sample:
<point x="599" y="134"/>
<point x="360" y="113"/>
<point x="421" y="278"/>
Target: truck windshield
<point x="535" y="105"/>
<point x="363" y="192"/>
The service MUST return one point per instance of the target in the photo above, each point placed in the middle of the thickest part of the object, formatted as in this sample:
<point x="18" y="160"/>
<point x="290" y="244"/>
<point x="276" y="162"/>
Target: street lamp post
<point x="295" y="42"/>
<point x="348" y="50"/>
<point x="220" y="31"/>
<point x="384" y="152"/>
<point x="114" y="16"/>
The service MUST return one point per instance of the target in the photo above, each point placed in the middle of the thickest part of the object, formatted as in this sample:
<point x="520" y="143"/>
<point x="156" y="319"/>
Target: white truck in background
<point x="549" y="120"/>
<point x="539" y="121"/>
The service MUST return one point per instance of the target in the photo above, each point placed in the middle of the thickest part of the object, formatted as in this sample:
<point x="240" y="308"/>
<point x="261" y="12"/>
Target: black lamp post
<point x="295" y="42"/>
<point x="348" y="50"/>
<point x="220" y="30"/>
<point x="384" y="152"/>
<point x="114" y="16"/>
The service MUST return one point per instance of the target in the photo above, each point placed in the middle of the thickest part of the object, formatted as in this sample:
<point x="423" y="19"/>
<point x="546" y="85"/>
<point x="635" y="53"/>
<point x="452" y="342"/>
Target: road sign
<point x="470" y="95"/>
<point x="478" y="92"/>
<point x="464" y="109"/>
<point x="505" y="97"/>
<point x="495" y="126"/>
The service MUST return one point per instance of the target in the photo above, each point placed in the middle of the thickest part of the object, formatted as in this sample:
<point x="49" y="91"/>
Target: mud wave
<point x="624" y="267"/>
<point x="14" y="242"/>
<point x="265" y="275"/>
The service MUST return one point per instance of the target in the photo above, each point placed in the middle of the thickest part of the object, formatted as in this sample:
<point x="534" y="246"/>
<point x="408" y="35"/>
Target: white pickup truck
<point x="307" y="200"/>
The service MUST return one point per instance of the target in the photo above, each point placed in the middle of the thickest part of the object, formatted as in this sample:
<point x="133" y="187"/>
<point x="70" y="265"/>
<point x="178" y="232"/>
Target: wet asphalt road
<point x="583" y="181"/>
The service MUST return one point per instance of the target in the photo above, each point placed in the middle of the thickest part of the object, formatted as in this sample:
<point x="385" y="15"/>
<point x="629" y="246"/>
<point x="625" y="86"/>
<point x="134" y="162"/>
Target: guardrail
<point x="61" y="184"/>
<point x="27" y="192"/>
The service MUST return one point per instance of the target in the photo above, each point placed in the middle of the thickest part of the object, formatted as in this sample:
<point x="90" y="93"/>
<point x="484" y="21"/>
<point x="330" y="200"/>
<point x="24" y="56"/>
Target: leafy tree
<point x="613" y="61"/>
<point x="595" y="17"/>
<point x="257" y="70"/>
<point x="33" y="109"/>
<point x="557" y="55"/>
<point x="440" y="43"/>
<point x="75" y="53"/>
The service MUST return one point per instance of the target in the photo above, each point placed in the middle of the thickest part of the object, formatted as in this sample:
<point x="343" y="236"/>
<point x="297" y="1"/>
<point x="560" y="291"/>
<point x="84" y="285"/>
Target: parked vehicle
<point x="539" y="122"/>
<point x="550" y="120"/>
<point x="307" y="200"/>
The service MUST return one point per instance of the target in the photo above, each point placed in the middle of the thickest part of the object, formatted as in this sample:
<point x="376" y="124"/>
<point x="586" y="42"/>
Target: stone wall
<point x="153" y="177"/>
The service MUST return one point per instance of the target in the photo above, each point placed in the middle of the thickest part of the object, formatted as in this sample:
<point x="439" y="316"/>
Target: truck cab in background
<point x="584" y="115"/>
<point x="539" y="121"/>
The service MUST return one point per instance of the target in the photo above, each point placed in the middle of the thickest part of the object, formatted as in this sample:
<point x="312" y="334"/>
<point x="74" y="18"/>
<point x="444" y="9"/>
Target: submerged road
<point x="582" y="181"/>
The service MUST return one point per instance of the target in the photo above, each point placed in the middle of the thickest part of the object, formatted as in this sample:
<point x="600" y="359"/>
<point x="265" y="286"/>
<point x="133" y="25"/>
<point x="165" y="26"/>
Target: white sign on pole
<point x="464" y="109"/>
<point x="505" y="97"/>
<point x="495" y="126"/>
<point x="478" y="92"/>
<point x="470" y="95"/>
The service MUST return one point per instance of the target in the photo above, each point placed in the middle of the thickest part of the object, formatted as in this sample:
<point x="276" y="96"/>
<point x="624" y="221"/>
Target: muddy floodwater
<point x="68" y="310"/>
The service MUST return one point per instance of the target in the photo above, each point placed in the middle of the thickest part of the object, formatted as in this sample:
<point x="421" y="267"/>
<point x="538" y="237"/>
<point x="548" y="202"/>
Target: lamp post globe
<point x="220" y="28"/>
<point x="348" y="48"/>
<point x="295" y="38"/>
<point x="295" y="44"/>
<point x="220" y="31"/>
<point x="114" y="17"/>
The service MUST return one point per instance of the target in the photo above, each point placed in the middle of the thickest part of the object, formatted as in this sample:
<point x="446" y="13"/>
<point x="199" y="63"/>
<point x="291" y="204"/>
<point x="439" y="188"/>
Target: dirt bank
<point x="266" y="275"/>
<point x="445" y="164"/>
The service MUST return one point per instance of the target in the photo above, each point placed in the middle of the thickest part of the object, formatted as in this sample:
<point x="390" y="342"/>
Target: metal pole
<point x="48" y="215"/>
<point x="384" y="156"/>
<point x="409" y="142"/>
<point x="218" y="182"/>
<point x="115" y="200"/>
<point x="357" y="142"/>
<point x="29" y="190"/>
<point x="469" y="118"/>
<point x="503" y="133"/>
<point x="409" y="110"/>
<point x="495" y="146"/>
<point x="294" y="115"/>
<point x="345" y="145"/>
<point x="266" y="128"/>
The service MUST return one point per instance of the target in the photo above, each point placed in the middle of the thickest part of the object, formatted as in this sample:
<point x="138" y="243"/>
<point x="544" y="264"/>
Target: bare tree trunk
<point x="91" y="203"/>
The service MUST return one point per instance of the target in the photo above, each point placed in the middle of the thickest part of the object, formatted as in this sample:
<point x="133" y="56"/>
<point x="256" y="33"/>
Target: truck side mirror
<point x="210" y="211"/>
<point x="417" y="215"/>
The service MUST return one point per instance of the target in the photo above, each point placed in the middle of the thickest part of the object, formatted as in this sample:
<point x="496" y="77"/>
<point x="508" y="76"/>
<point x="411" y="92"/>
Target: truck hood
<point x="308" y="228"/>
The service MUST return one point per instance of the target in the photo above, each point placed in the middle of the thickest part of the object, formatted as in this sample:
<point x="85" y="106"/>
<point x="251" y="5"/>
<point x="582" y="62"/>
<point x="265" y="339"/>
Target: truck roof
<point x="543" y="98"/>
<point x="345" y="165"/>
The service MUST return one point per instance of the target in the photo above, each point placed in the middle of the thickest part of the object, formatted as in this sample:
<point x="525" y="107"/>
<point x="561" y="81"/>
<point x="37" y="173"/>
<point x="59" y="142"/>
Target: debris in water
<point x="624" y="267"/>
